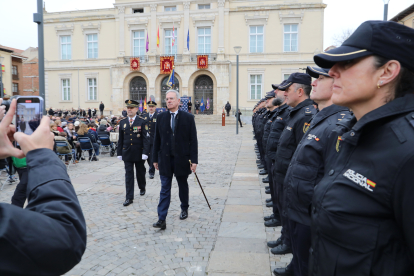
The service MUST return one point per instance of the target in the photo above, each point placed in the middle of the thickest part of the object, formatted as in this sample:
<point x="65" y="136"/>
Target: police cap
<point x="387" y="39"/>
<point x="315" y="72"/>
<point x="270" y="94"/>
<point x="296" y="78"/>
<point x="131" y="103"/>
<point x="151" y="103"/>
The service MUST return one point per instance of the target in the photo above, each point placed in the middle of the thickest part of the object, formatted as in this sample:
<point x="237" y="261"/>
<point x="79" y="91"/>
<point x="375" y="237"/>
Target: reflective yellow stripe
<point x="316" y="71"/>
<point x="347" y="54"/>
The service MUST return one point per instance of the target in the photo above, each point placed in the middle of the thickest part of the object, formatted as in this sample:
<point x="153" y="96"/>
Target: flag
<point x="173" y="38"/>
<point x="170" y="82"/>
<point x="184" y="106"/>
<point x="208" y="104"/>
<point x="188" y="40"/>
<point x="202" y="105"/>
<point x="140" y="106"/>
<point x="3" y="68"/>
<point x="158" y="37"/>
<point x="145" y="103"/>
<point x="147" y="44"/>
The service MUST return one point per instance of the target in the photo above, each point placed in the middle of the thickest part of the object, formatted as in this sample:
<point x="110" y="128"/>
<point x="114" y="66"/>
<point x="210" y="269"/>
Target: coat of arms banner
<point x="166" y="65"/>
<point x="202" y="62"/>
<point x="134" y="64"/>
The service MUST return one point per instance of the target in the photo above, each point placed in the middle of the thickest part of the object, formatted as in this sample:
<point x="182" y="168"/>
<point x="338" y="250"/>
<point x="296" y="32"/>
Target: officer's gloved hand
<point x="119" y="157"/>
<point x="144" y="157"/>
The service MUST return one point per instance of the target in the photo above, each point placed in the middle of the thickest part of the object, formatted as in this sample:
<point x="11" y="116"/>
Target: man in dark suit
<point x="151" y="118"/>
<point x="175" y="143"/>
<point x="23" y="125"/>
<point x="89" y="112"/>
<point x="133" y="149"/>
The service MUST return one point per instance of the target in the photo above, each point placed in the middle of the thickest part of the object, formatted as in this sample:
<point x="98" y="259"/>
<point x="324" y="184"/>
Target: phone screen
<point x="28" y="114"/>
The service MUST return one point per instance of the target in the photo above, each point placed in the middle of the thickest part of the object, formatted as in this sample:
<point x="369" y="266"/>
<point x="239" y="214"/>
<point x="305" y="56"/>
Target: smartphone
<point x="29" y="112"/>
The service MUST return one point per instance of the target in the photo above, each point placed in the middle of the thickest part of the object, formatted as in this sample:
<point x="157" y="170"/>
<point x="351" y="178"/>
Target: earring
<point x="378" y="86"/>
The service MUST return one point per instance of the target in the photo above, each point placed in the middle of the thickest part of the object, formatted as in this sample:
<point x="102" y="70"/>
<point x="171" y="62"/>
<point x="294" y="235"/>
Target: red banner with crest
<point x="134" y="64"/>
<point x="166" y="65"/>
<point x="202" y="62"/>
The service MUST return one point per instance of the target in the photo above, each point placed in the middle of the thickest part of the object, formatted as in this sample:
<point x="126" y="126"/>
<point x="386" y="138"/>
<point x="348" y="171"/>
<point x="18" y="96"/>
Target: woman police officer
<point x="363" y="208"/>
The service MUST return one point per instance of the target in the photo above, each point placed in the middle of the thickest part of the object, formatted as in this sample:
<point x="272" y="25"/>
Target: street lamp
<point x="237" y="49"/>
<point x="1" y="78"/>
<point x="386" y="9"/>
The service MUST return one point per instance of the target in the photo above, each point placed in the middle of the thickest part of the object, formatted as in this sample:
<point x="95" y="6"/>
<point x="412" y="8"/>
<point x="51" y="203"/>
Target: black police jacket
<point x="297" y="125"/>
<point x="362" y="209"/>
<point x="133" y="140"/>
<point x="151" y="123"/>
<point x="261" y="120"/>
<point x="48" y="237"/>
<point x="307" y="165"/>
<point x="266" y="130"/>
<point x="276" y="129"/>
<point x="185" y="143"/>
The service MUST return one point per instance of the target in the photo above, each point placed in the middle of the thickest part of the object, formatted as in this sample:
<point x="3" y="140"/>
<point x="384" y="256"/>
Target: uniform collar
<point x="327" y="112"/>
<point x="301" y="105"/>
<point x="396" y="107"/>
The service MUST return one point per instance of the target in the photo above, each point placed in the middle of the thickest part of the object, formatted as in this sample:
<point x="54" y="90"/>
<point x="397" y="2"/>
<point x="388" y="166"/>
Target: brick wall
<point x="30" y="83"/>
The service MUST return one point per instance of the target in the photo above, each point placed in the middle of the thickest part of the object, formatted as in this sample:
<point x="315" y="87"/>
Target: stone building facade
<point x="87" y="52"/>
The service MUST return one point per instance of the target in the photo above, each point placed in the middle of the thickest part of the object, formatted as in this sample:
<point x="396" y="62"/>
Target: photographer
<point x="49" y="236"/>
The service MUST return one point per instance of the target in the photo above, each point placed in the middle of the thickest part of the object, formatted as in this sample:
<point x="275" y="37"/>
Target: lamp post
<point x="386" y="9"/>
<point x="1" y="78"/>
<point x="237" y="49"/>
<point x="38" y="18"/>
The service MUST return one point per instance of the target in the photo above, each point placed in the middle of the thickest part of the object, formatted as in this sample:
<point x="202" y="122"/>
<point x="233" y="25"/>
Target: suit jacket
<point x="133" y="140"/>
<point x="151" y="126"/>
<point x="186" y="144"/>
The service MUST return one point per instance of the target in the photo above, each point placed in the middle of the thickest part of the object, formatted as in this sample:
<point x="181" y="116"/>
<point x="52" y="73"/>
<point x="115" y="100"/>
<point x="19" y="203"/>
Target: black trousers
<point x="228" y="113"/>
<point x="240" y="122"/>
<point x="300" y="236"/>
<point x="278" y="188"/>
<point x="269" y="164"/>
<point x="151" y="169"/>
<point x="19" y="196"/>
<point x="129" y="177"/>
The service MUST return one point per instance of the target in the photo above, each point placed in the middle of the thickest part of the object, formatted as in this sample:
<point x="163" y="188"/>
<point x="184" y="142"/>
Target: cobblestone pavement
<point x="122" y="241"/>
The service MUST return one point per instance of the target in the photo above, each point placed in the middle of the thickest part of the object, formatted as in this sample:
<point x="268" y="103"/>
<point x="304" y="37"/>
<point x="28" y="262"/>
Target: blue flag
<point x="188" y="40"/>
<point x="170" y="82"/>
<point x="202" y="107"/>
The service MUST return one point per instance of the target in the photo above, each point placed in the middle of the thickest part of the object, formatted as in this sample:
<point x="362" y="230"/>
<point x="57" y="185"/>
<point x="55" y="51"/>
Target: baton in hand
<point x="200" y="186"/>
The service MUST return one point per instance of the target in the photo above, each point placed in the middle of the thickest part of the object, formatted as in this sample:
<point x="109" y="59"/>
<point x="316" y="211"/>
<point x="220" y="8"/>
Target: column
<point x="154" y="29"/>
<point x="121" y="13"/>
<point x="220" y="52"/>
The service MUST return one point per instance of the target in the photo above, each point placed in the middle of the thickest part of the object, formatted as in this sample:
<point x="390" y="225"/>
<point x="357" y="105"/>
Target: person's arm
<point x="157" y="143"/>
<point x="146" y="139"/>
<point x="120" y="141"/>
<point x="193" y="143"/>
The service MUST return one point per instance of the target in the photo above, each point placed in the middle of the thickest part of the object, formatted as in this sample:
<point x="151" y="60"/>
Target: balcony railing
<point x="15" y="77"/>
<point x="142" y="59"/>
<point x="211" y="57"/>
<point x="177" y="58"/>
<point x="15" y="93"/>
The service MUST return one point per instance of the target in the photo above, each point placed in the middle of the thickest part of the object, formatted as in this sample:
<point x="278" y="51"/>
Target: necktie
<point x="172" y="121"/>
<point x="150" y="116"/>
<point x="130" y="121"/>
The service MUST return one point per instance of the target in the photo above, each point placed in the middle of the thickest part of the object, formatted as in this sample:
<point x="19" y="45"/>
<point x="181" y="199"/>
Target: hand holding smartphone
<point x="29" y="113"/>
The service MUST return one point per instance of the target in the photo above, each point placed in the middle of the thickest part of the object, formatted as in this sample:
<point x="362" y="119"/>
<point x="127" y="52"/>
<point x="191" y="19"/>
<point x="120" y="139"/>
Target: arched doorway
<point x="138" y="89"/>
<point x="203" y="89"/>
<point x="165" y="88"/>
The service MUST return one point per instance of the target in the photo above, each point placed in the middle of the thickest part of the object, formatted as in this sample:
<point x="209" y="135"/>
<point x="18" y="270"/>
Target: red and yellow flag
<point x="371" y="183"/>
<point x="158" y="37"/>
<point x="145" y="103"/>
<point x="3" y="68"/>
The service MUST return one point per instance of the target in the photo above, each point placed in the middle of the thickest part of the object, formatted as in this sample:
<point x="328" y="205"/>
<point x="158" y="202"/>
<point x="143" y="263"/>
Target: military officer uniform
<point x="133" y="146"/>
<point x="151" y="123"/>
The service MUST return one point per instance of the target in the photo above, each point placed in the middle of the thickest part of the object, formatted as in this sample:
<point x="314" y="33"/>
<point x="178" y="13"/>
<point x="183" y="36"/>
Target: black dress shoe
<point x="281" y="249"/>
<point x="263" y="172"/>
<point x="283" y="271"/>
<point x="142" y="192"/>
<point x="160" y="224"/>
<point x="273" y="244"/>
<point x="151" y="176"/>
<point x="128" y="202"/>
<point x="270" y="204"/>
<point x="267" y="192"/>
<point x="184" y="215"/>
<point x="267" y="187"/>
<point x="269" y="200"/>
<point x="272" y="223"/>
<point x="272" y="216"/>
<point x="260" y="166"/>
<point x="265" y="180"/>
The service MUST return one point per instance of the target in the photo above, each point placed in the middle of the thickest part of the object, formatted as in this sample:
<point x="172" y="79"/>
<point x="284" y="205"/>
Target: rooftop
<point x="403" y="14"/>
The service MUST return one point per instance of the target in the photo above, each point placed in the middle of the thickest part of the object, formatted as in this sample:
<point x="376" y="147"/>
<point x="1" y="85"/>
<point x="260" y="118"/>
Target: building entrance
<point x="203" y="89"/>
<point x="165" y="88"/>
<point x="138" y="89"/>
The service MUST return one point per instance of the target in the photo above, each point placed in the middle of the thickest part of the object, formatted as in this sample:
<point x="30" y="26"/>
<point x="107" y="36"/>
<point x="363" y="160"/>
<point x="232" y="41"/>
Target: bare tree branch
<point x="339" y="38"/>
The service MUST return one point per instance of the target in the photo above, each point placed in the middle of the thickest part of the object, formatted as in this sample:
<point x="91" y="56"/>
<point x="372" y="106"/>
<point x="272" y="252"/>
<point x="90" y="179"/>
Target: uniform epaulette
<point x="144" y="118"/>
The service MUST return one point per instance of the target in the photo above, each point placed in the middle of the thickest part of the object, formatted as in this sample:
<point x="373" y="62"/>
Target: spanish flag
<point x="158" y="37"/>
<point x="145" y="103"/>
<point x="3" y="68"/>
<point x="370" y="183"/>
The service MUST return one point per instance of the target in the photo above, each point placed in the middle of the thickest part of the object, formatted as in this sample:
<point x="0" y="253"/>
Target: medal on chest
<point x="124" y="126"/>
<point x="154" y="120"/>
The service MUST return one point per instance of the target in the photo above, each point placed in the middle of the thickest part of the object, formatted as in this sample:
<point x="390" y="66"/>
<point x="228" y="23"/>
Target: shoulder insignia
<point x="307" y="110"/>
<point x="338" y="143"/>
<point x="306" y="127"/>
<point x="289" y="128"/>
<point x="342" y="116"/>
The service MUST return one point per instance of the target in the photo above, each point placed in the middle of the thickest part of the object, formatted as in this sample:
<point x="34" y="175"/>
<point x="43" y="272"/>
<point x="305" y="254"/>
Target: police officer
<point x="362" y="209"/>
<point x="133" y="149"/>
<point x="276" y="129"/>
<point x="297" y="91"/>
<point x="307" y="167"/>
<point x="151" y="118"/>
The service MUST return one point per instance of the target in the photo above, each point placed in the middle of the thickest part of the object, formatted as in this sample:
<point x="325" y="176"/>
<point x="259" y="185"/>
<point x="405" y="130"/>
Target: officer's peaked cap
<point x="296" y="78"/>
<point x="387" y="39"/>
<point x="315" y="72"/>
<point x="270" y="94"/>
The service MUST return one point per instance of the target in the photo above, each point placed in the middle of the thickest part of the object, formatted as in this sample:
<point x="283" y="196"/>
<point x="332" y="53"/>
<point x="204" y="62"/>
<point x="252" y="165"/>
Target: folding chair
<point x="106" y="145"/>
<point x="86" y="145"/>
<point x="60" y="144"/>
